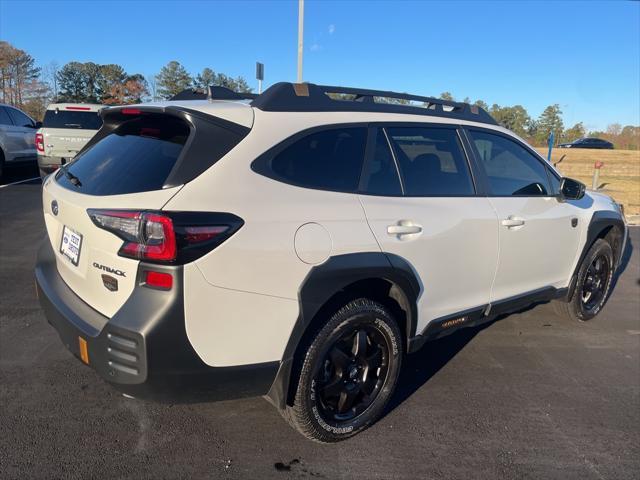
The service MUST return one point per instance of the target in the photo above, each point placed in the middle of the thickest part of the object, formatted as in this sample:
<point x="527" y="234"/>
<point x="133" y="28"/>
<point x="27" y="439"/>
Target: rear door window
<point x="72" y="119"/>
<point x="5" y="119"/>
<point x="327" y="160"/>
<point x="510" y="168"/>
<point x="19" y="118"/>
<point x="431" y="161"/>
<point x="137" y="157"/>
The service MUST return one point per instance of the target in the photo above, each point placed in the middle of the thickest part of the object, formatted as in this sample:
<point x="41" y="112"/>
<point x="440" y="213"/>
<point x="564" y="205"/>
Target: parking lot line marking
<point x="21" y="181"/>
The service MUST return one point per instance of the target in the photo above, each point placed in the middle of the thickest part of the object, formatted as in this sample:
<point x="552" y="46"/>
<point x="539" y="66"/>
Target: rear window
<point x="137" y="157"/>
<point x="72" y="119"/>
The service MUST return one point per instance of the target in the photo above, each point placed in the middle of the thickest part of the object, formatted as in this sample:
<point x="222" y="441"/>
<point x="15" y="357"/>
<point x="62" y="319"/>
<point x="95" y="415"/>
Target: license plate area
<point x="71" y="245"/>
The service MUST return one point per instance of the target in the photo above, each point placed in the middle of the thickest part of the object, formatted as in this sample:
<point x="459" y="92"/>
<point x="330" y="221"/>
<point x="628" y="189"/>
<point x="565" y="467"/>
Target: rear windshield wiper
<point x="72" y="178"/>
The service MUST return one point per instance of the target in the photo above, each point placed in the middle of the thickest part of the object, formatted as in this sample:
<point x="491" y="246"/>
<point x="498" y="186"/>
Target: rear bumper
<point x="50" y="164"/>
<point x="143" y="349"/>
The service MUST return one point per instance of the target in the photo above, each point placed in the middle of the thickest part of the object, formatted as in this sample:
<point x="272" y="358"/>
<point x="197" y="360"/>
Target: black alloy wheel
<point x="352" y="373"/>
<point x="595" y="284"/>
<point x="346" y="372"/>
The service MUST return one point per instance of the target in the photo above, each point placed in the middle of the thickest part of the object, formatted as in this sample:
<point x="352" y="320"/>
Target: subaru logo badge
<point x="54" y="207"/>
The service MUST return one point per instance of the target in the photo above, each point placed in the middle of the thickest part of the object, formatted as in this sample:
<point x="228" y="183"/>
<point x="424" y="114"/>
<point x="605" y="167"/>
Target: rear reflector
<point x="78" y="108"/>
<point x="161" y="280"/>
<point x="203" y="233"/>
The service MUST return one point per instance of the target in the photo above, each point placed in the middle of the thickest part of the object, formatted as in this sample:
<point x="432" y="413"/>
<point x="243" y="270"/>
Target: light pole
<point x="300" y="37"/>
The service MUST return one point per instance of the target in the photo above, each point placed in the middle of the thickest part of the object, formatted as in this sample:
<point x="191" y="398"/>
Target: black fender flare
<point x="324" y="281"/>
<point x="600" y="221"/>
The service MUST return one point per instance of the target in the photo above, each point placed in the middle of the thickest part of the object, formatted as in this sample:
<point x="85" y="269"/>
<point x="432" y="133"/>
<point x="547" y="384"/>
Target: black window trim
<point x="487" y="191"/>
<point x="393" y="156"/>
<point x="260" y="165"/>
<point x="372" y="138"/>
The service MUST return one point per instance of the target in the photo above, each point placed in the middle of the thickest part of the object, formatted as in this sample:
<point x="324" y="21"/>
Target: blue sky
<point x="584" y="56"/>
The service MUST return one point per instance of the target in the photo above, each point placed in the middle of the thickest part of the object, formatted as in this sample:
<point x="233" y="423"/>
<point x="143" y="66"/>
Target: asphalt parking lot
<point x="529" y="396"/>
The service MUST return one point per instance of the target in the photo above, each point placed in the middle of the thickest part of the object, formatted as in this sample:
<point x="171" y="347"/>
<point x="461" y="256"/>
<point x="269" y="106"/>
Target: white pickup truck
<point x="66" y="128"/>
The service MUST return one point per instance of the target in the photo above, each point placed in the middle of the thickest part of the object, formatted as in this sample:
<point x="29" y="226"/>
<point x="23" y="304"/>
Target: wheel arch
<point x="387" y="279"/>
<point x="607" y="225"/>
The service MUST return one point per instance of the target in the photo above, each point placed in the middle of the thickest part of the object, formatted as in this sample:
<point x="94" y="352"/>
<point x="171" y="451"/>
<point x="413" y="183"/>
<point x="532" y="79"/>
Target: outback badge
<point x="110" y="283"/>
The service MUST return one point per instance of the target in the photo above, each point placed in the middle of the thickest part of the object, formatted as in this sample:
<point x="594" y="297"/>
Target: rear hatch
<point x="67" y="129"/>
<point x="135" y="164"/>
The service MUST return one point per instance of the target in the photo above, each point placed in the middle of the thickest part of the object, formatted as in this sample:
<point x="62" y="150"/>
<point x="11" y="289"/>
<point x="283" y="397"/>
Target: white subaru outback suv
<point x="298" y="245"/>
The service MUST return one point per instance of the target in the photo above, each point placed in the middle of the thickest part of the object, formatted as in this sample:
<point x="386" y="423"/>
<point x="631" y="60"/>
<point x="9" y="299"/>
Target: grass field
<point x="620" y="173"/>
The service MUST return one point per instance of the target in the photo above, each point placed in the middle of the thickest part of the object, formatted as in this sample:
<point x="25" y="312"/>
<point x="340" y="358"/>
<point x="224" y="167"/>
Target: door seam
<point x="497" y="268"/>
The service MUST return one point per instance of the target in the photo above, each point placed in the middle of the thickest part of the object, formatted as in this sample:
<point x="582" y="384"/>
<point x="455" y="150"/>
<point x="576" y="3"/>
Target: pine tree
<point x="549" y="121"/>
<point x="172" y="79"/>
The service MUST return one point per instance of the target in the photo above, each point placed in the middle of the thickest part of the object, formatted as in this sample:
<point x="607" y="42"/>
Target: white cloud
<point x="332" y="28"/>
<point x="315" y="47"/>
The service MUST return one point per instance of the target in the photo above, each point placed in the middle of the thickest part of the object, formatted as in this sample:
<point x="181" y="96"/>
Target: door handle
<point x="403" y="228"/>
<point x="512" y="222"/>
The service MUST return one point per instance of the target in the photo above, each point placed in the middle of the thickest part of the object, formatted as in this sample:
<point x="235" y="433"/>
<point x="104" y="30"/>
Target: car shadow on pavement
<point x="419" y="367"/>
<point x="624" y="262"/>
<point x="20" y="173"/>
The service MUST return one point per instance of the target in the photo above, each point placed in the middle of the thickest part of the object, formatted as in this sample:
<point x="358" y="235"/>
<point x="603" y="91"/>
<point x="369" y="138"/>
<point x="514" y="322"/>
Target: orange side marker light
<point x="84" y="351"/>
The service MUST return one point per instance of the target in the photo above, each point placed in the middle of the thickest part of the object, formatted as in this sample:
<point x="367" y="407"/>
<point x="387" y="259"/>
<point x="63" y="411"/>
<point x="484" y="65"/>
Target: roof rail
<point x="214" y="92"/>
<point x="308" y="97"/>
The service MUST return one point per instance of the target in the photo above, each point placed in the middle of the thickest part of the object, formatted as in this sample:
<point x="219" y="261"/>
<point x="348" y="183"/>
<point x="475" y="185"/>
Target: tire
<point x="593" y="284"/>
<point x="341" y="392"/>
<point x="1" y="164"/>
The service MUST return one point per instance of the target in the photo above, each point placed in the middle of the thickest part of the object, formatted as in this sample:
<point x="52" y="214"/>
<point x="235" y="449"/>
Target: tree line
<point x="31" y="87"/>
<point x="537" y="130"/>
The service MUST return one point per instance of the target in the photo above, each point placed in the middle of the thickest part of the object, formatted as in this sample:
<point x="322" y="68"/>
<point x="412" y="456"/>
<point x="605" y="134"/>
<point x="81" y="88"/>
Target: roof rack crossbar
<point x="214" y="92"/>
<point x="308" y="97"/>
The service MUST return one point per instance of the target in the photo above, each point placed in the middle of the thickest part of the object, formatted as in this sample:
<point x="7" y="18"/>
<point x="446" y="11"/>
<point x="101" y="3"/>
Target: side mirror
<point x="38" y="125"/>
<point x="571" y="189"/>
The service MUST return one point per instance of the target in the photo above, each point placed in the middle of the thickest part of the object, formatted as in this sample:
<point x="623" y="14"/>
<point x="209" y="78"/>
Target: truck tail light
<point x="40" y="142"/>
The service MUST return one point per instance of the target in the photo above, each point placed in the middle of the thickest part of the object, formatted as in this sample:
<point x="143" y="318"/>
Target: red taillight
<point x="78" y="108"/>
<point x="174" y="237"/>
<point x="131" y="111"/>
<point x="40" y="142"/>
<point x="161" y="280"/>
